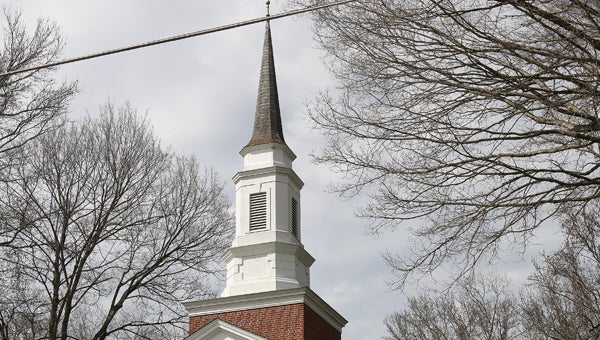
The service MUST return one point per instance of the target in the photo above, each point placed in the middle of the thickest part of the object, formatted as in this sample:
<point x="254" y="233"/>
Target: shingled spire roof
<point x="267" y="119"/>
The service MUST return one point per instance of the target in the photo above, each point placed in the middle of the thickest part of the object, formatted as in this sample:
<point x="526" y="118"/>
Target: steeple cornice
<point x="267" y="119"/>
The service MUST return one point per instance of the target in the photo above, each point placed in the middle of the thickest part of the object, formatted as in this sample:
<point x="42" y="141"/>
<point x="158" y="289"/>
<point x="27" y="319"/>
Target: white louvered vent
<point x="294" y="217"/>
<point x="258" y="211"/>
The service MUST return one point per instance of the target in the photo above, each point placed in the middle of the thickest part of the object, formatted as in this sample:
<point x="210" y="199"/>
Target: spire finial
<point x="268" y="5"/>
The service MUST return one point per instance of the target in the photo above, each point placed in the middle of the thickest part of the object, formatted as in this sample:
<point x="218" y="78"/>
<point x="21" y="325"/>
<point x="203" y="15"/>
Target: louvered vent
<point x="258" y="211"/>
<point x="294" y="217"/>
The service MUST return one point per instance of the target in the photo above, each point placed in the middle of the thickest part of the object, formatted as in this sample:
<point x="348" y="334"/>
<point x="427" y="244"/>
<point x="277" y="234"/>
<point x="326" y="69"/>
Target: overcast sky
<point x="200" y="96"/>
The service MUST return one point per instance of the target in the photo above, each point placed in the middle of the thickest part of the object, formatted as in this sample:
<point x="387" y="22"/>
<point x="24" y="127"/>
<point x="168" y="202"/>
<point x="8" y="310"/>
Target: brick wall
<point x="315" y="328"/>
<point x="274" y="323"/>
<point x="289" y="322"/>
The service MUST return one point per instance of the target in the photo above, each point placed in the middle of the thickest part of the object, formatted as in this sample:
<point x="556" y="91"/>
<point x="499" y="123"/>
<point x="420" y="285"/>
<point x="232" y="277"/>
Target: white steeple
<point x="267" y="253"/>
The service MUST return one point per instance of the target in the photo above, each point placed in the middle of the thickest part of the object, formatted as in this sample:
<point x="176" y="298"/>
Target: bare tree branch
<point x="116" y="227"/>
<point x="483" y="309"/>
<point x="31" y="103"/>
<point x="476" y="120"/>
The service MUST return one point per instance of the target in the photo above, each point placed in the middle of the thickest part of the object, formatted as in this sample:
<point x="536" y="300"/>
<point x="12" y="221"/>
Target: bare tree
<point x="31" y="103"/>
<point x="563" y="301"/>
<point x="21" y="308"/>
<point x="476" y="120"/>
<point x="117" y="230"/>
<point x="481" y="309"/>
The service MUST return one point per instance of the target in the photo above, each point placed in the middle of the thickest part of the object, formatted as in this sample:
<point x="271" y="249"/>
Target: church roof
<point x="267" y="119"/>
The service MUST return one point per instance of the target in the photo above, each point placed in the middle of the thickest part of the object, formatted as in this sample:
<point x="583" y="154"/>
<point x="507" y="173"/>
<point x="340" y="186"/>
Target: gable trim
<point x="219" y="326"/>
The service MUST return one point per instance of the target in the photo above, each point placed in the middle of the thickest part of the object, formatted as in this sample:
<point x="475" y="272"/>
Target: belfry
<point x="267" y="294"/>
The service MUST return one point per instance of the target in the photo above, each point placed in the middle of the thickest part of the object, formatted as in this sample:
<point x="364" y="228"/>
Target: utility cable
<point x="177" y="37"/>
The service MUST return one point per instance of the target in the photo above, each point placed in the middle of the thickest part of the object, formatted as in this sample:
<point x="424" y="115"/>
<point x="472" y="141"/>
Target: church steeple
<point x="267" y="294"/>
<point x="267" y="119"/>
<point x="267" y="253"/>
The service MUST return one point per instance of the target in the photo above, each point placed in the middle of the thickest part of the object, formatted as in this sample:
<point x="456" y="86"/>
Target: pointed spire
<point x="267" y="119"/>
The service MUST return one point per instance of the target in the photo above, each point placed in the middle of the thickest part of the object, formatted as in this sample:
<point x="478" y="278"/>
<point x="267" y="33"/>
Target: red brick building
<point x="267" y="295"/>
<point x="277" y="315"/>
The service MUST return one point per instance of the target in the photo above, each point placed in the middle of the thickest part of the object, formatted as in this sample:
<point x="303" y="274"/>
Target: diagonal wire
<point x="177" y="37"/>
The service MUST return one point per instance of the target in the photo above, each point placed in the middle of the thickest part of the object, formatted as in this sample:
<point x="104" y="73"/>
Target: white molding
<point x="269" y="146"/>
<point x="270" y="248"/>
<point x="217" y="327"/>
<point x="272" y="170"/>
<point x="268" y="299"/>
<point x="324" y="310"/>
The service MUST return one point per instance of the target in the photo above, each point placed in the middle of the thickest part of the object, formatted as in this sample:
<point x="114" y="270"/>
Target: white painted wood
<point x="272" y="258"/>
<point x="221" y="330"/>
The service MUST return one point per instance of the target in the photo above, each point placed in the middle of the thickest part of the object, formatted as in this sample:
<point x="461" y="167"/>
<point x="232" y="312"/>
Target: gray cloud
<point x="200" y="96"/>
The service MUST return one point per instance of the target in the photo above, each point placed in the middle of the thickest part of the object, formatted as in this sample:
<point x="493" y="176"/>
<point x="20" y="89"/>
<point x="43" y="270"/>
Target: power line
<point x="177" y="37"/>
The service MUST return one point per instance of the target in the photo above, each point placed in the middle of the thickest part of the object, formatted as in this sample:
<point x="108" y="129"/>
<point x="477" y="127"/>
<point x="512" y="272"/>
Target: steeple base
<point x="278" y="315"/>
<point x="266" y="267"/>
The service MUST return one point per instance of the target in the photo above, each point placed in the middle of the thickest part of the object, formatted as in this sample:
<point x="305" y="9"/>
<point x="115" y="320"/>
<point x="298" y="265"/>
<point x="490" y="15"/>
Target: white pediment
<point x="221" y="330"/>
